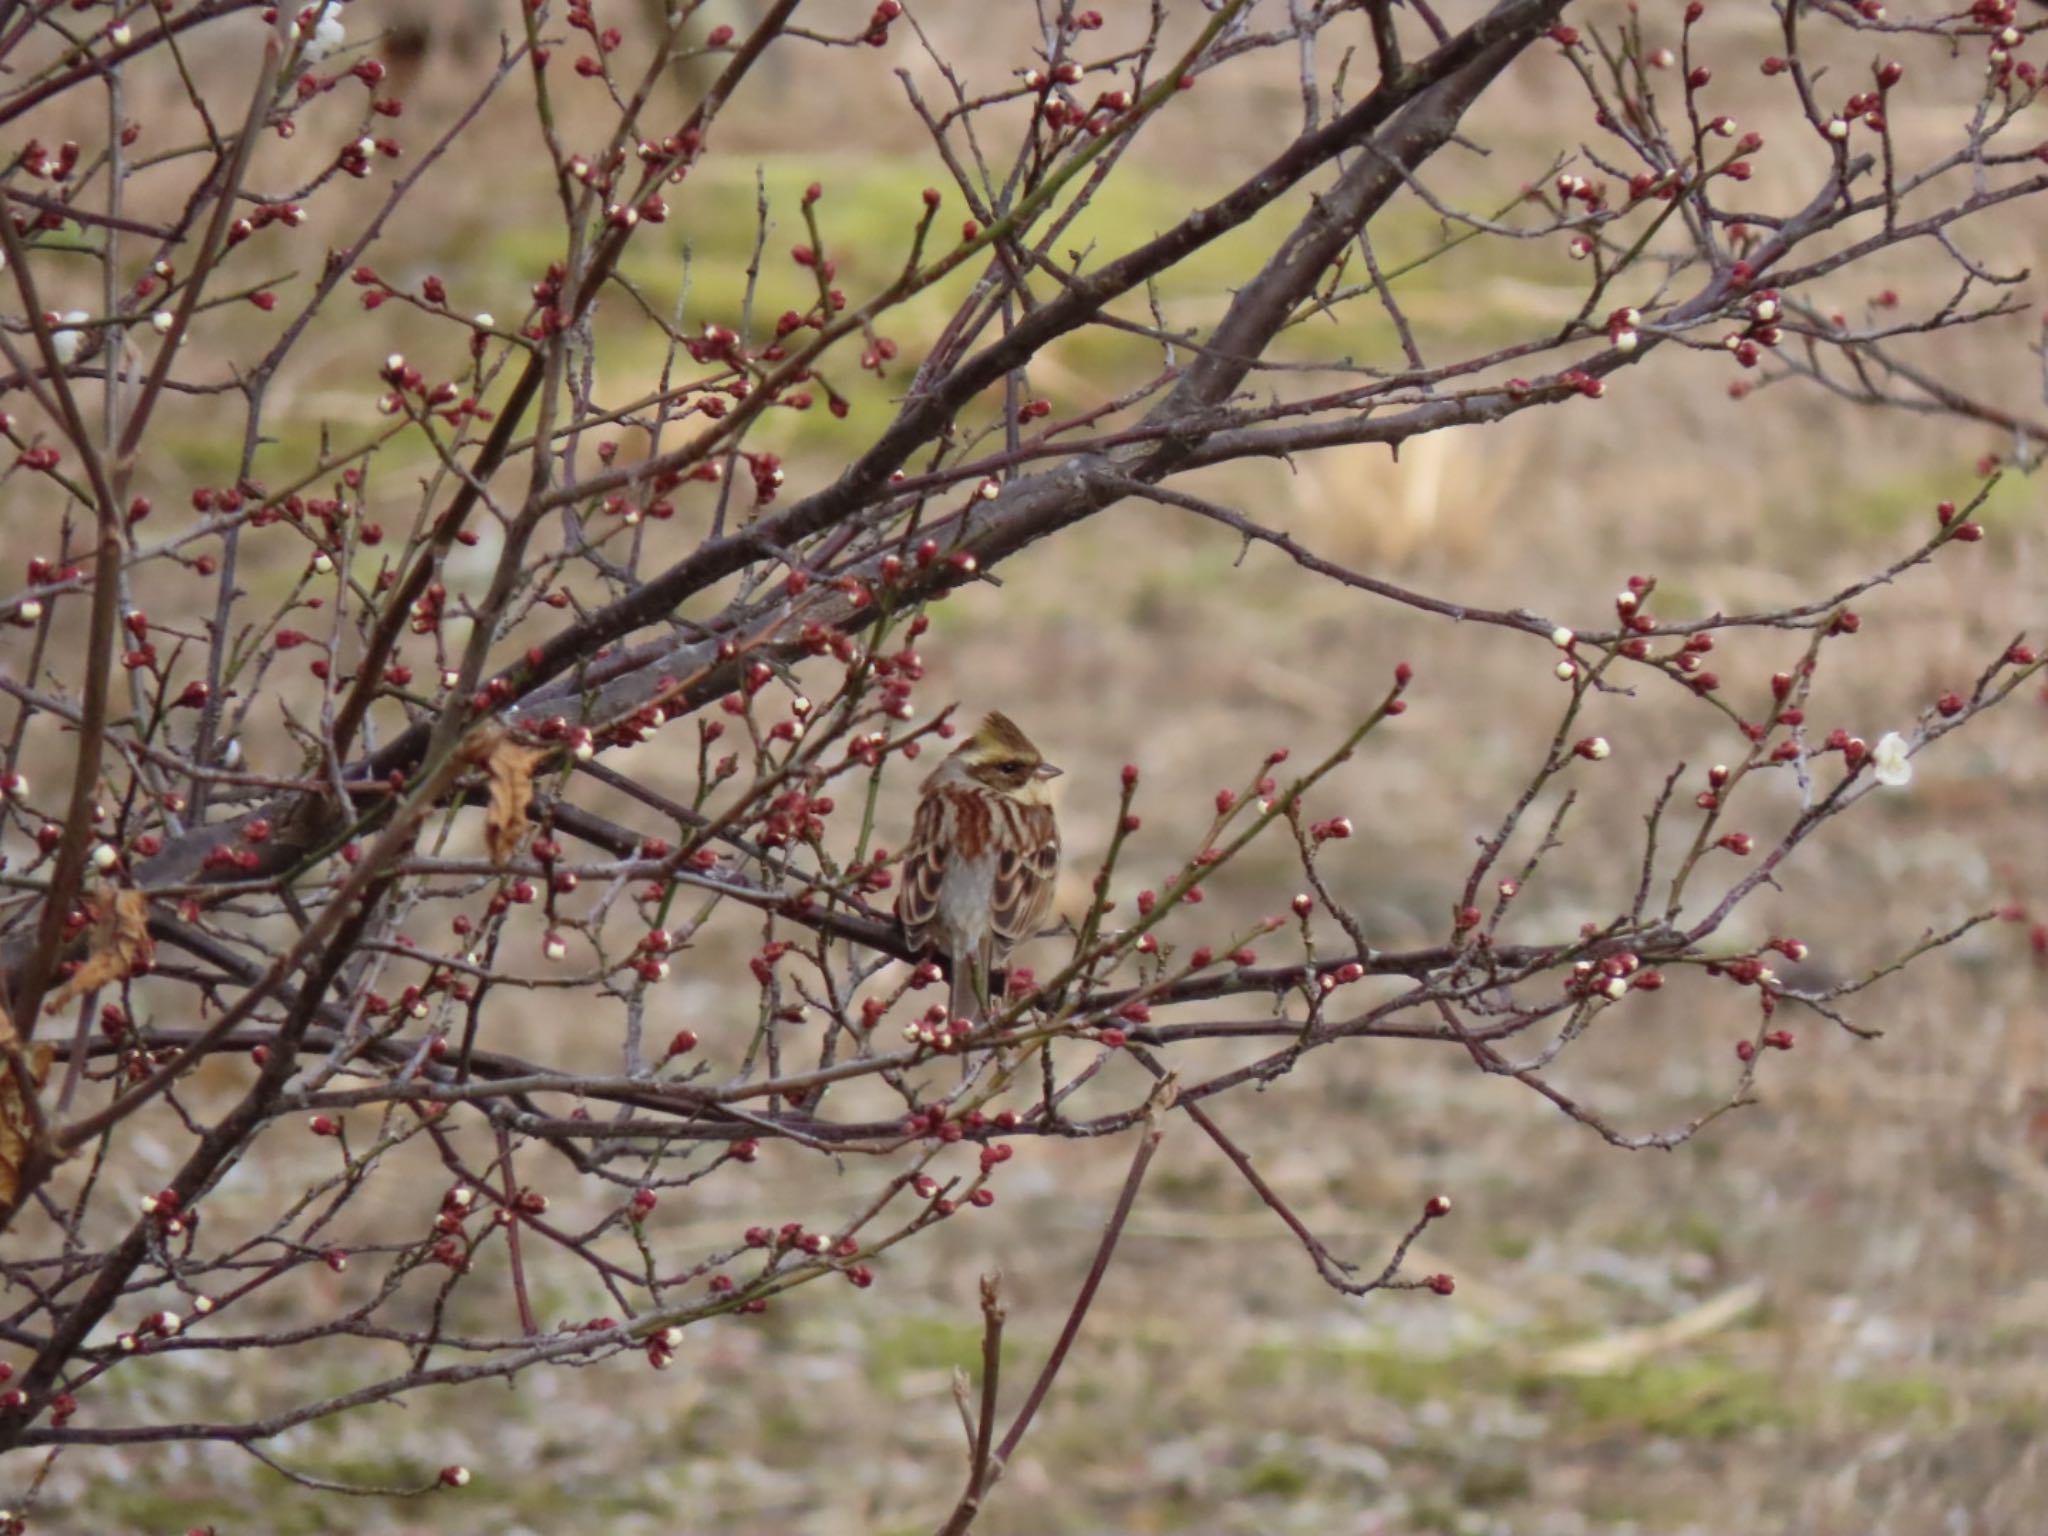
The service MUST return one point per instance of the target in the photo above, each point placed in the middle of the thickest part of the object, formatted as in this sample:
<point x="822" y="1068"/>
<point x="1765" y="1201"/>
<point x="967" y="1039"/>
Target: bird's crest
<point x="998" y="732"/>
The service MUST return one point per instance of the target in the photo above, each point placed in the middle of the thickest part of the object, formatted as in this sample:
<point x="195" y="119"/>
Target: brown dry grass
<point x="1882" y="1215"/>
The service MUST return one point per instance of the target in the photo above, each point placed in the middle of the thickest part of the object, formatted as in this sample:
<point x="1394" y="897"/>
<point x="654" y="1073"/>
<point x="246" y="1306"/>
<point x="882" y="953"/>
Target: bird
<point x="984" y="852"/>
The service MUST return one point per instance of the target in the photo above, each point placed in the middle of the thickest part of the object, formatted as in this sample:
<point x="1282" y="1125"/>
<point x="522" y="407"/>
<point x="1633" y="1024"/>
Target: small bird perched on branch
<point x="984" y="852"/>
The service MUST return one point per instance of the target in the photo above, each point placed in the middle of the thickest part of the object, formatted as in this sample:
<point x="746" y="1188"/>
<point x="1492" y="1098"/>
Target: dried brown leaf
<point x="16" y="1123"/>
<point x="509" y="767"/>
<point x="121" y="945"/>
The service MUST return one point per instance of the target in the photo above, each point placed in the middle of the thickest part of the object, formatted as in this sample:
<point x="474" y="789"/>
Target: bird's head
<point x="998" y="756"/>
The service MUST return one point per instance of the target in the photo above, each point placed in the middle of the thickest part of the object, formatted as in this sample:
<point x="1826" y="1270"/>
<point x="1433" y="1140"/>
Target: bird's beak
<point x="1047" y="771"/>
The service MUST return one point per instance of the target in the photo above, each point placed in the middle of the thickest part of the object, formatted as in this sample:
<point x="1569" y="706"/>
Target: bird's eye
<point x="1014" y="765"/>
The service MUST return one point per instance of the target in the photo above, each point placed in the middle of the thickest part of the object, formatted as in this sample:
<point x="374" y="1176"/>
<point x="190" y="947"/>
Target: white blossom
<point x="328" y="36"/>
<point x="1890" y="763"/>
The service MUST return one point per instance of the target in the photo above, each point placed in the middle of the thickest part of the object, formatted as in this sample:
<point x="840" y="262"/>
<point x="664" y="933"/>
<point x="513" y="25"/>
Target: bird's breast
<point x="965" y="896"/>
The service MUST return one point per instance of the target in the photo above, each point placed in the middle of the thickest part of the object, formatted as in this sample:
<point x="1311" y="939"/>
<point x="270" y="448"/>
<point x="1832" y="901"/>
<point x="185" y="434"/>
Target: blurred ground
<point x="1858" y="1266"/>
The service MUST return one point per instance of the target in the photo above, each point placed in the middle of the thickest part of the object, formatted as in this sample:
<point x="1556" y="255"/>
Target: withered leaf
<point x="15" y="1120"/>
<point x="509" y="768"/>
<point x="121" y="944"/>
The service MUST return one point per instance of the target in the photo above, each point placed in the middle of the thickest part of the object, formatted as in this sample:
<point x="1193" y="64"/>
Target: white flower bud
<point x="160" y="322"/>
<point x="1562" y="638"/>
<point x="30" y="611"/>
<point x="66" y="342"/>
<point x="104" y="857"/>
<point x="485" y="320"/>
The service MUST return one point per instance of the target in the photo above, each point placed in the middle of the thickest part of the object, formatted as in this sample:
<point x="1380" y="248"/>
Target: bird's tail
<point x="962" y="1004"/>
<point x="970" y="983"/>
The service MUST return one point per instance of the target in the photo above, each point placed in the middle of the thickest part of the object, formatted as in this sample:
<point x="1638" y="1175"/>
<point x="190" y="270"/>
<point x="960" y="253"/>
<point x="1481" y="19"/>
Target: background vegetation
<point x="1824" y="1314"/>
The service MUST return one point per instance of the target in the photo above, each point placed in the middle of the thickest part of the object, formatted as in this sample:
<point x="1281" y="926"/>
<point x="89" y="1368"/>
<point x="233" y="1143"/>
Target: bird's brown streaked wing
<point x="924" y="871"/>
<point x="1025" y="878"/>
